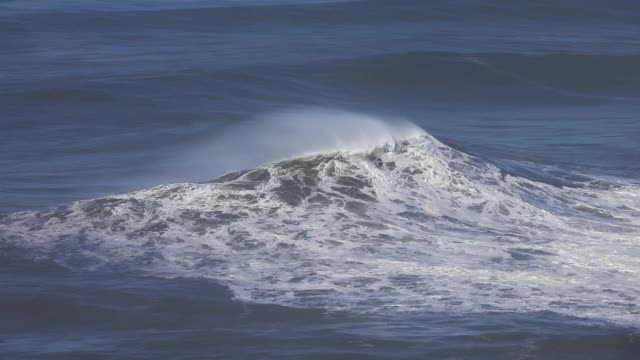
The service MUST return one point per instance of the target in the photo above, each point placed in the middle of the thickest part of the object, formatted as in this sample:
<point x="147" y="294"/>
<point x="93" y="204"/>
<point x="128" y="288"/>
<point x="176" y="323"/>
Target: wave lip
<point x="412" y="225"/>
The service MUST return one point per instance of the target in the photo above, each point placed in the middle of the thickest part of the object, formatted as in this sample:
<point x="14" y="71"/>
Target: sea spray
<point x="290" y="134"/>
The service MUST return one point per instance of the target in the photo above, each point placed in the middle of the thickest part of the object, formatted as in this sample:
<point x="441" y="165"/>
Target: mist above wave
<point x="291" y="134"/>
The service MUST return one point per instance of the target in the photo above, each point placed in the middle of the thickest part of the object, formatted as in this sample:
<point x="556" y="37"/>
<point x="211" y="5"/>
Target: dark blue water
<point x="472" y="191"/>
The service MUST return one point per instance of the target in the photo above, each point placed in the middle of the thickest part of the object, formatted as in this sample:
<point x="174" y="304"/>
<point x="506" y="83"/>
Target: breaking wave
<point x="410" y="225"/>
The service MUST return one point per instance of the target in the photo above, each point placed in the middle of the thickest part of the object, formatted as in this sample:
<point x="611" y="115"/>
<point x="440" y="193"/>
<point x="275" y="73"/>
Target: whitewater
<point x="378" y="217"/>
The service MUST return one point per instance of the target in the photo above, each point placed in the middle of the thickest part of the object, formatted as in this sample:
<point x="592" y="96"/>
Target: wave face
<point x="412" y="225"/>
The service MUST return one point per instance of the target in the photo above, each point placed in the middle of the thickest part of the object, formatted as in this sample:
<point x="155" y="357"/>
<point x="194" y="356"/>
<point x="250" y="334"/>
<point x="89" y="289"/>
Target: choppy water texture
<point x="477" y="195"/>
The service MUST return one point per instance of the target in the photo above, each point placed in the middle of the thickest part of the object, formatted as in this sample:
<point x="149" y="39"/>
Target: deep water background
<point x="98" y="98"/>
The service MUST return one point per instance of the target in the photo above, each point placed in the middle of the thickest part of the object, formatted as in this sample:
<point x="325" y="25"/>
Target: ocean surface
<point x="238" y="179"/>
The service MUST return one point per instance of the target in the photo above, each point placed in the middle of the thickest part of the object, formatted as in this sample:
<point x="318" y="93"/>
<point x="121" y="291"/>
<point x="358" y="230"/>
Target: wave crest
<point x="292" y="134"/>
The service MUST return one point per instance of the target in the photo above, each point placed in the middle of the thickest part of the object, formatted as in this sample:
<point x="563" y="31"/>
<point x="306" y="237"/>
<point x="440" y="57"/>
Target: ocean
<point x="309" y="179"/>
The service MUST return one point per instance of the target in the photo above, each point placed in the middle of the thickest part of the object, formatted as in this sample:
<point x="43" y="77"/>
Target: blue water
<point x="405" y="179"/>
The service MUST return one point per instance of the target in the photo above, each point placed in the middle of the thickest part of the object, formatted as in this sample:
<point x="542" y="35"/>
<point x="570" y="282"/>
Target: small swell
<point x="565" y="74"/>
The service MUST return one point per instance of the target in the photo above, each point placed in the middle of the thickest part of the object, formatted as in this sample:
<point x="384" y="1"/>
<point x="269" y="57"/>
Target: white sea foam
<point x="413" y="225"/>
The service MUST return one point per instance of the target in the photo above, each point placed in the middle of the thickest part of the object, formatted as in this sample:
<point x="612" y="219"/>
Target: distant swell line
<point x="568" y="74"/>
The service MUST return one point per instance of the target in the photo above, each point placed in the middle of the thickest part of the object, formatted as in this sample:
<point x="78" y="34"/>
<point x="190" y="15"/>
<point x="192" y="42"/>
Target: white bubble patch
<point x="413" y="225"/>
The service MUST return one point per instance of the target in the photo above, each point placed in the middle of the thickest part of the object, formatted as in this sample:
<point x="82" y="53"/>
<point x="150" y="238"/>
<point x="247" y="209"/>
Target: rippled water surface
<point x="319" y="179"/>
